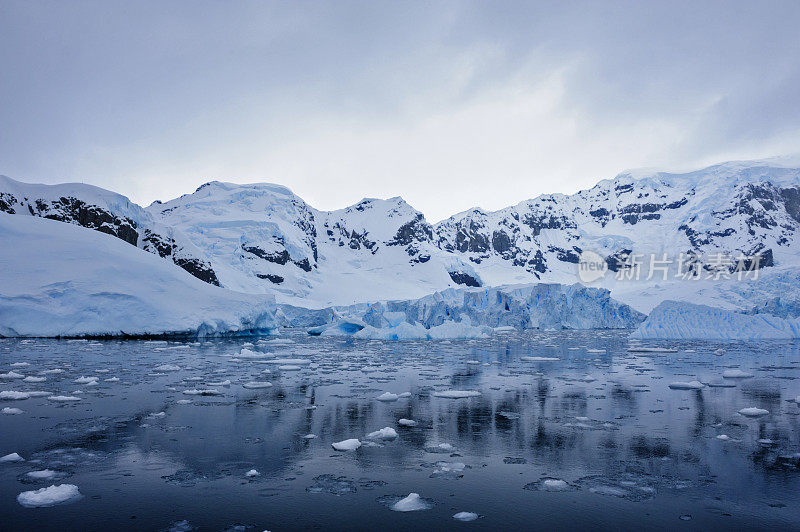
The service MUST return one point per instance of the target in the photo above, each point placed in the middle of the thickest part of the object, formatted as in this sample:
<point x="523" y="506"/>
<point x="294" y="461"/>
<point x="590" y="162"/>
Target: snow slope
<point x="65" y="280"/>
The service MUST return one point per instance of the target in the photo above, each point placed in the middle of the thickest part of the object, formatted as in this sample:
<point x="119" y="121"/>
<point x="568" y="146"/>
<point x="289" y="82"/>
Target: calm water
<point x="632" y="453"/>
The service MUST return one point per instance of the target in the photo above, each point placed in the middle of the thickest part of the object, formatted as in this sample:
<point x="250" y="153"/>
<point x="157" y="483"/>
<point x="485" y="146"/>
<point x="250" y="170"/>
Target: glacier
<point x="62" y="280"/>
<point x="677" y="320"/>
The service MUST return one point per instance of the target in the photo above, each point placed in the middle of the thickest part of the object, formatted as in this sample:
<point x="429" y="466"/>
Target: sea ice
<point x="736" y="374"/>
<point x="387" y="397"/>
<point x="49" y="496"/>
<point x="13" y="457"/>
<point x="386" y="433"/>
<point x="254" y="385"/>
<point x="412" y="503"/>
<point x="465" y="516"/>
<point x="406" y="422"/>
<point x="12" y="411"/>
<point x="691" y="385"/>
<point x="347" y="445"/>
<point x="753" y="412"/>
<point x="456" y="394"/>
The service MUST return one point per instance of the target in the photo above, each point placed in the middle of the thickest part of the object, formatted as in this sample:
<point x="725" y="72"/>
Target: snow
<point x="412" y="503"/>
<point x="456" y="394"/>
<point x="49" y="496"/>
<point x="347" y="445"/>
<point x="65" y="280"/>
<point x="677" y="320"/>
<point x="386" y="433"/>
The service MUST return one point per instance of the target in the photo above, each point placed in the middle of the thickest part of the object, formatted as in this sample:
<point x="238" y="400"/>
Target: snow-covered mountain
<point x="262" y="238"/>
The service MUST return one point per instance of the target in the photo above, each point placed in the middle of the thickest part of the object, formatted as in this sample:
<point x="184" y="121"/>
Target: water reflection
<point x="586" y="417"/>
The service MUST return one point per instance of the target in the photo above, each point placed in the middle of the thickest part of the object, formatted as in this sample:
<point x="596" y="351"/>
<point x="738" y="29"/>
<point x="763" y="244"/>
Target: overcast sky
<point x="448" y="104"/>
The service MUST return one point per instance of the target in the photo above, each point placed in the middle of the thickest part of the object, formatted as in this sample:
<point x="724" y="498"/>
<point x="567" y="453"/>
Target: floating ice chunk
<point x="11" y="375"/>
<point x="156" y="415"/>
<point x="12" y="411"/>
<point x="404" y="395"/>
<point x="720" y="384"/>
<point x="691" y="385"/>
<point x="473" y="363"/>
<point x="465" y="516"/>
<point x="347" y="445"/>
<point x="290" y="367"/>
<point x="555" y="484"/>
<point x="288" y="361"/>
<point x="111" y="379"/>
<point x="206" y="392"/>
<point x="723" y="437"/>
<point x="167" y="367"/>
<point x="386" y="433"/>
<point x="226" y="382"/>
<point x="255" y="385"/>
<point x="637" y="349"/>
<point x="252" y="474"/>
<point x="406" y="422"/>
<point x="63" y="398"/>
<point x="309" y="436"/>
<point x="86" y="380"/>
<point x="539" y="359"/>
<point x="387" y="397"/>
<point x="44" y="474"/>
<point x="247" y="353"/>
<point x="12" y="395"/>
<point x="31" y="378"/>
<point x="20" y="365"/>
<point x="13" y="457"/>
<point x="412" y="503"/>
<point x="456" y="394"/>
<point x="52" y="371"/>
<point x="50" y="496"/>
<point x="736" y="374"/>
<point x="753" y="412"/>
<point x="183" y="402"/>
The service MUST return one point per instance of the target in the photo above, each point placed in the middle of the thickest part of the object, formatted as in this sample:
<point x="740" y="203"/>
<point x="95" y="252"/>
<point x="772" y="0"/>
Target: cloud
<point x="450" y="105"/>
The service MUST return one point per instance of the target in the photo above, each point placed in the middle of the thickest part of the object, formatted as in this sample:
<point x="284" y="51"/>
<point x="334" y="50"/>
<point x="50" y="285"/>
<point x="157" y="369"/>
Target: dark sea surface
<point x="593" y="440"/>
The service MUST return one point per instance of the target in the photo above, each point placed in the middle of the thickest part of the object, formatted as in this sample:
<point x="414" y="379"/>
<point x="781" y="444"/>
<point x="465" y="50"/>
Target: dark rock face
<point x="617" y="260"/>
<point x="417" y="230"/>
<point x="74" y="211"/>
<point x="464" y="278"/>
<point x="791" y="201"/>
<point x="198" y="268"/>
<point x="277" y="257"/>
<point x="501" y="242"/>
<point x="277" y="279"/>
<point x="78" y="212"/>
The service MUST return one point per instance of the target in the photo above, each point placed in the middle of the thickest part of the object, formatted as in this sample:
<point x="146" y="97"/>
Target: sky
<point x="450" y="105"/>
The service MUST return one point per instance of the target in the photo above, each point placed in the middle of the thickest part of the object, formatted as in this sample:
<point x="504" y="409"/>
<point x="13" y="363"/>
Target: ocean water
<point x="567" y="430"/>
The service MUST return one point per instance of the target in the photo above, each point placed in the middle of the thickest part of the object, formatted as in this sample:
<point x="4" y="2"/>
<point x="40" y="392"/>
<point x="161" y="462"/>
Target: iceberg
<point x="679" y="320"/>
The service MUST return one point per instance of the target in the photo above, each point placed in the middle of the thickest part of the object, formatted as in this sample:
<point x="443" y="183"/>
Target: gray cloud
<point x="449" y="104"/>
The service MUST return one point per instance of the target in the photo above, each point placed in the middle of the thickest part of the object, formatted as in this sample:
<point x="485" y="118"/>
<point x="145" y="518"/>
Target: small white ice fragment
<point x="13" y="457"/>
<point x="406" y="422"/>
<point x="539" y="359"/>
<point x="465" y="516"/>
<point x="347" y="445"/>
<point x="255" y="385"/>
<point x="63" y="398"/>
<point x="167" y="367"/>
<point x="386" y="433"/>
<point x="736" y="374"/>
<point x="691" y="385"/>
<point x="412" y="503"/>
<point x="50" y="496"/>
<point x="387" y="397"/>
<point x="44" y="474"/>
<point x="753" y="412"/>
<point x="252" y="474"/>
<point x="456" y="394"/>
<point x="12" y="411"/>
